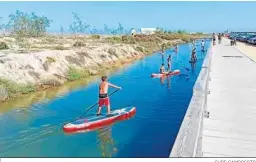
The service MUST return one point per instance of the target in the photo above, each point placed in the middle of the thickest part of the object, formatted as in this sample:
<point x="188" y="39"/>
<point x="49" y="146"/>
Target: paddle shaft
<point x="96" y="104"/>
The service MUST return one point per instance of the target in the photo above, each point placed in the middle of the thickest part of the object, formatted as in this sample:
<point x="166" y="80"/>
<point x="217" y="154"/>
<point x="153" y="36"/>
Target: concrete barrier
<point x="188" y="142"/>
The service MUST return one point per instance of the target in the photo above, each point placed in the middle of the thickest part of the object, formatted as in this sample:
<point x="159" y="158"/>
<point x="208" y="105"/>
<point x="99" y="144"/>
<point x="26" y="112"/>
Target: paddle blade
<point x="187" y="69"/>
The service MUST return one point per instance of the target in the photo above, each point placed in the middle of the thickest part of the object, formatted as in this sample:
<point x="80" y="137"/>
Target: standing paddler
<point x="193" y="55"/>
<point x="169" y="63"/>
<point x="176" y="48"/>
<point x="103" y="94"/>
<point x="202" y="46"/>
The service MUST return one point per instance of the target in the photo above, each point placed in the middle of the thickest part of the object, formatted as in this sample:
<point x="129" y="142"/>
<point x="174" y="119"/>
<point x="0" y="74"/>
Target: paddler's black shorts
<point x="103" y="95"/>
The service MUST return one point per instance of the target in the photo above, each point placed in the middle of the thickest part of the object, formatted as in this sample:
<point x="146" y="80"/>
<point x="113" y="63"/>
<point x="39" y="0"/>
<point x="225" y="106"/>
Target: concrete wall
<point x="188" y="142"/>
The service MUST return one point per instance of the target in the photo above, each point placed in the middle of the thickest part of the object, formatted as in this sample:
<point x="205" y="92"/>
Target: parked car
<point x="243" y="38"/>
<point x="232" y="35"/>
<point x="252" y="40"/>
<point x="249" y="37"/>
<point x="235" y="36"/>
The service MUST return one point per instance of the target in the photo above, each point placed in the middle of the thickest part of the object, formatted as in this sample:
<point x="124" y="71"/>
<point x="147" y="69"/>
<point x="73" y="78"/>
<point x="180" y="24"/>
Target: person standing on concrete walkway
<point x="219" y="38"/>
<point x="214" y="39"/>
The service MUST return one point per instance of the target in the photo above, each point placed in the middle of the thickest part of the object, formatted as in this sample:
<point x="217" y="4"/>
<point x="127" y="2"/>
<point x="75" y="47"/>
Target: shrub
<point x="186" y="38"/>
<point x="27" y="25"/>
<point x="111" y="51"/>
<point x="140" y="49"/>
<point x="79" y="25"/>
<point x="75" y="73"/>
<point x="3" y="46"/>
<point x="128" y="39"/>
<point x="169" y="44"/>
<point x="50" y="59"/>
<point x="58" y="47"/>
<point x="15" y="88"/>
<point x="103" y="56"/>
<point x="114" y="39"/>
<point x="79" y="44"/>
<point x="95" y="36"/>
<point x="50" y="40"/>
<point x="117" y="39"/>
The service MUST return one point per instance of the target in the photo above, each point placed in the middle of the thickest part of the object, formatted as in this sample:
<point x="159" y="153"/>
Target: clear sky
<point x="190" y="16"/>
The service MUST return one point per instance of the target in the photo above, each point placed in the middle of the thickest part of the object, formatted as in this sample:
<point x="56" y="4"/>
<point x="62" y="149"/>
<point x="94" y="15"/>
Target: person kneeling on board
<point x="169" y="61"/>
<point x="193" y="55"/>
<point x="162" y="69"/>
<point x="103" y="94"/>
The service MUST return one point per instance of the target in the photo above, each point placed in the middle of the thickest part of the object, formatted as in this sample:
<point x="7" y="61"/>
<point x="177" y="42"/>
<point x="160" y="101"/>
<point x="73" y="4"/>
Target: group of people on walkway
<point x="220" y="35"/>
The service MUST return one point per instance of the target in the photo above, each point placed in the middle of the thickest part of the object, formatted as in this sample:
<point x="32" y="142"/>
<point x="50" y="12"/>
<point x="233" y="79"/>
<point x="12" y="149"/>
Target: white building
<point x="148" y="31"/>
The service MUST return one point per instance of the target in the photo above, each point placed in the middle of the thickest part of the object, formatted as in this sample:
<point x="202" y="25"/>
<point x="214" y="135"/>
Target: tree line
<point x="23" y="24"/>
<point x="31" y="25"/>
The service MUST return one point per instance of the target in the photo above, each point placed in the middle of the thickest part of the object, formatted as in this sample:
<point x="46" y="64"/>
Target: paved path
<point x="231" y="128"/>
<point x="247" y="49"/>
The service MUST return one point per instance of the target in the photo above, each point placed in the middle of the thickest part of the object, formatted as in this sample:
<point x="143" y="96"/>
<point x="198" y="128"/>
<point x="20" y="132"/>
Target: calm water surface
<point x="34" y="129"/>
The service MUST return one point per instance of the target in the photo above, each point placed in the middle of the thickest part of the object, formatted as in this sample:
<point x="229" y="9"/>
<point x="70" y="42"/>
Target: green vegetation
<point x="15" y="88"/>
<point x="50" y="60"/>
<point x="79" y="25"/>
<point x="23" y="42"/>
<point x="114" y="39"/>
<point x="3" y="46"/>
<point x="79" y="44"/>
<point x="27" y="25"/>
<point x="128" y="39"/>
<point x="140" y="49"/>
<point x="111" y="51"/>
<point x="28" y="33"/>
<point x="95" y="36"/>
<point x="75" y="73"/>
<point x="58" y="47"/>
<point x="49" y="40"/>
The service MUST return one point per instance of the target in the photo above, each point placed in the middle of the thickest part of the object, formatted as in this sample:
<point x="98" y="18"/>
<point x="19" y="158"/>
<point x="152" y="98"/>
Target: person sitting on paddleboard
<point x="169" y="61"/>
<point x="202" y="45"/>
<point x="162" y="70"/>
<point x="103" y="94"/>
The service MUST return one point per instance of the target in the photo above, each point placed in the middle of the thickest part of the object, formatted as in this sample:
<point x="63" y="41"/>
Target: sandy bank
<point x="28" y="65"/>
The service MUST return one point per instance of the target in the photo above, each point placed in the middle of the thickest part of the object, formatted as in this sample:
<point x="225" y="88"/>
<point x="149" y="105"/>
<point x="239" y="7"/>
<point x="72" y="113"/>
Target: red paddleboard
<point x="175" y="72"/>
<point x="94" y="122"/>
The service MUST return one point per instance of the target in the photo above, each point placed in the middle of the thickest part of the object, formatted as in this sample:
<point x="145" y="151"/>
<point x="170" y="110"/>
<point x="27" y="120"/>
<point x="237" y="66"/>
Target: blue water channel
<point x="161" y="105"/>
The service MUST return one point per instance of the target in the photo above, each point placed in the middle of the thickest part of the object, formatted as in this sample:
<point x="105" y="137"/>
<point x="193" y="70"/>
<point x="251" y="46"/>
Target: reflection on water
<point x="168" y="82"/>
<point x="26" y="100"/>
<point x="106" y="142"/>
<point x="193" y="65"/>
<point x="45" y="96"/>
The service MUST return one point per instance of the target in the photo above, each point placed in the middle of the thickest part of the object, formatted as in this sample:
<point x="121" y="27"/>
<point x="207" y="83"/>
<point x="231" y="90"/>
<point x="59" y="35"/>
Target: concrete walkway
<point x="230" y="131"/>
<point x="247" y="49"/>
